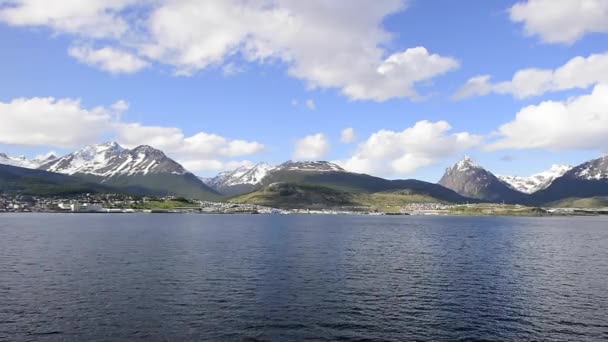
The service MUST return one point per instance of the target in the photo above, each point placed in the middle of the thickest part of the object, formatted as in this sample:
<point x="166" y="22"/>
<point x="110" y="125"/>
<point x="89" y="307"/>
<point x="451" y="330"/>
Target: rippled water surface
<point x="196" y="277"/>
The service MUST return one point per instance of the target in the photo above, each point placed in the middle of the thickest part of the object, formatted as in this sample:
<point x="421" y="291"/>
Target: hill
<point x="312" y="196"/>
<point x="18" y="180"/>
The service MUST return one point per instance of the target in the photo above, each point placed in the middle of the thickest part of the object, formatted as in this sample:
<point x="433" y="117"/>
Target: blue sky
<point x="244" y="89"/>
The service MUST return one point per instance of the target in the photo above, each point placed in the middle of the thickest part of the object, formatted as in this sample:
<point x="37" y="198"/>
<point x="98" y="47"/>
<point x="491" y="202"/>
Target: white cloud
<point x="109" y="59"/>
<point x="400" y="153"/>
<point x="578" y="123"/>
<point x="312" y="147"/>
<point x="563" y="21"/>
<point x="578" y="73"/>
<point x="310" y="104"/>
<point x="231" y="69"/>
<point x="348" y="135"/>
<point x="201" y="165"/>
<point x="327" y="44"/>
<point x="50" y="121"/>
<point x="91" y="18"/>
<point x="194" y="150"/>
<point x="66" y="123"/>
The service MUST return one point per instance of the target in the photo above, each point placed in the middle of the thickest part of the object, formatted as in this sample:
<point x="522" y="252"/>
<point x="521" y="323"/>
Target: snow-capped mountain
<point x="22" y="161"/>
<point x="142" y="169"/>
<point x="537" y="181"/>
<point x="246" y="179"/>
<point x="588" y="179"/>
<point x="471" y="180"/>
<point x="596" y="169"/>
<point x="310" y="166"/>
<point x="241" y="180"/>
<point x="110" y="159"/>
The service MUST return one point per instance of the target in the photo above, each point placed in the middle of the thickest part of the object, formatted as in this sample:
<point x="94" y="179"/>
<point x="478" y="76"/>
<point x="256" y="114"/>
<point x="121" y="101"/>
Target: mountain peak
<point x="148" y="150"/>
<point x="310" y="166"/>
<point x="466" y="164"/>
<point x="240" y="180"/>
<point x="596" y="169"/>
<point x="471" y="180"/>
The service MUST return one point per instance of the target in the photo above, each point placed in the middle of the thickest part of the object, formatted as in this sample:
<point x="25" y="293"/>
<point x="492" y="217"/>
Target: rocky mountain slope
<point x="471" y="180"/>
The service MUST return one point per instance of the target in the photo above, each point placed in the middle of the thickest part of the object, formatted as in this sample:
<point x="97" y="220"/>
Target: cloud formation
<point x="312" y="147"/>
<point x="563" y="21"/>
<point x="578" y="123"/>
<point x="348" y="135"/>
<point x="578" y="73"/>
<point x="394" y="153"/>
<point x="51" y="121"/>
<point x="109" y="59"/>
<point x="326" y="44"/>
<point x="66" y="123"/>
<point x="91" y="18"/>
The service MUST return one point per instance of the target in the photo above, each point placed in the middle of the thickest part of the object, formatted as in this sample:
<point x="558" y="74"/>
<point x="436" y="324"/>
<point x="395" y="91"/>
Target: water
<point x="197" y="277"/>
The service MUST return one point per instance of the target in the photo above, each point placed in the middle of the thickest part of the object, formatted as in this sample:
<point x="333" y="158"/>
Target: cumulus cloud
<point x="91" y="18"/>
<point x="389" y="152"/>
<point x="577" y="123"/>
<point x="66" y="123"/>
<point x="348" y="135"/>
<point x="327" y="44"/>
<point x="201" y="151"/>
<point x="50" y="121"/>
<point x="109" y="59"/>
<point x="563" y="21"/>
<point x="578" y="73"/>
<point x="312" y="147"/>
<point x="202" y="165"/>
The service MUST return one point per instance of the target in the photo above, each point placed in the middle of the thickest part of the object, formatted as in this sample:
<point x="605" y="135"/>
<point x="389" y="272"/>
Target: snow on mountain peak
<point x="110" y="159"/>
<point x="22" y="161"/>
<point x="466" y="164"/>
<point x="251" y="175"/>
<point x="310" y="166"/>
<point x="596" y="169"/>
<point x="536" y="182"/>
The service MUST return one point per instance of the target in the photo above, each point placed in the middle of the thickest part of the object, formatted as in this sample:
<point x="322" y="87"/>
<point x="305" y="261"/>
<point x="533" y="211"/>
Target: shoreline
<point x="575" y="213"/>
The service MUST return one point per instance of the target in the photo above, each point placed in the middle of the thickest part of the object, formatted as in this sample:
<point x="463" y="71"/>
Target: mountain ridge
<point x="536" y="182"/>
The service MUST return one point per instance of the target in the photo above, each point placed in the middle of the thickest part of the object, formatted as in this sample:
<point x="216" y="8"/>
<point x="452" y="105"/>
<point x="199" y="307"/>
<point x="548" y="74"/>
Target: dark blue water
<point x="196" y="277"/>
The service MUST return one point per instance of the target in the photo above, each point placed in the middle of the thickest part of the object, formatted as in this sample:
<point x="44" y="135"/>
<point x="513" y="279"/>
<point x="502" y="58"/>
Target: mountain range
<point x="22" y="161"/>
<point x="144" y="170"/>
<point x="561" y="182"/>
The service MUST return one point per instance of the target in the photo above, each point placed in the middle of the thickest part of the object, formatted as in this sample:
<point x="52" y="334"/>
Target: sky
<point x="398" y="89"/>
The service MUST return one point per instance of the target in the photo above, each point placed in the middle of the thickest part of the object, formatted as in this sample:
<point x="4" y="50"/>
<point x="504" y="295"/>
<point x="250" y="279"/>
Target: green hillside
<point x="586" y="203"/>
<point x="307" y="196"/>
<point x="361" y="183"/>
<point x="17" y="180"/>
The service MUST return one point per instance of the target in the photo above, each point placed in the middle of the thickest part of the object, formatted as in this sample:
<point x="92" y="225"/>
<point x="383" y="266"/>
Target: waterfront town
<point x="121" y="203"/>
